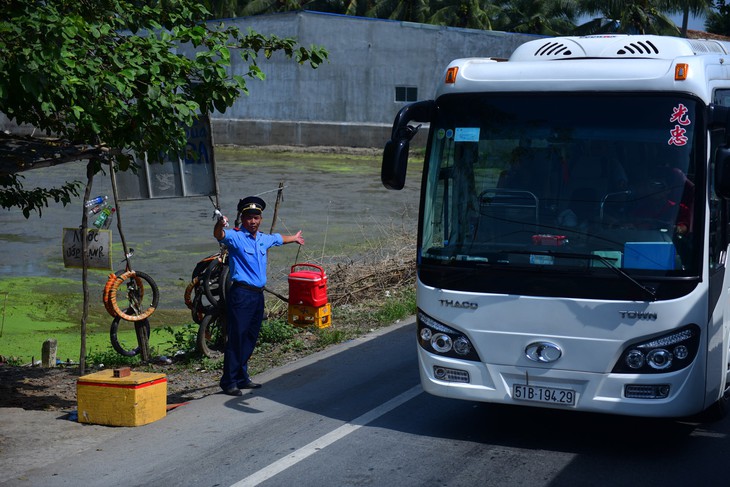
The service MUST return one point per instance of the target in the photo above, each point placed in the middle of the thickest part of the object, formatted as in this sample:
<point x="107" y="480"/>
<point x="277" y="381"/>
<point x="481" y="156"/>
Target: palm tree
<point x="547" y="17"/>
<point x="408" y="10"/>
<point x="626" y="16"/>
<point x="221" y="9"/>
<point x="718" y="21"/>
<point x="694" y="7"/>
<point x="256" y="7"/>
<point x="471" y="14"/>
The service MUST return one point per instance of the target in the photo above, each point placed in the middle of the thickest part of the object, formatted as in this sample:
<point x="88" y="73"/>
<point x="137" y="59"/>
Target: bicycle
<point x="129" y="307"/>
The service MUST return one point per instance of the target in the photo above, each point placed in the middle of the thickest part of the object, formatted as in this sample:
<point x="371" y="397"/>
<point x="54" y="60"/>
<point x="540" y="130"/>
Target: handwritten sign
<point x="99" y="248"/>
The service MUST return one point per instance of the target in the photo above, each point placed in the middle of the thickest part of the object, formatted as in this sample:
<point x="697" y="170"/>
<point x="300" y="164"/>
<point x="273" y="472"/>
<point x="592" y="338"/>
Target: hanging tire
<point x="189" y="292"/>
<point x="131" y="296"/>
<point x="214" y="279"/>
<point x="200" y="309"/>
<point x="212" y="335"/>
<point x="120" y="326"/>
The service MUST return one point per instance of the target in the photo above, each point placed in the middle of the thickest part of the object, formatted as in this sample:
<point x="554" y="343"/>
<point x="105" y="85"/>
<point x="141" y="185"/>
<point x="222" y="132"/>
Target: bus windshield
<point x="565" y="182"/>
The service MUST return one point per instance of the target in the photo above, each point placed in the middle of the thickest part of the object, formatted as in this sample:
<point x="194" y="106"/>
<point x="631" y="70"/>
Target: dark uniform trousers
<point x="245" y="308"/>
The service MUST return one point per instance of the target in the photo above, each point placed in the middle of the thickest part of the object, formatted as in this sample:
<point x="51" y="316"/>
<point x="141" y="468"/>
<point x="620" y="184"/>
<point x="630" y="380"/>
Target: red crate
<point x="308" y="287"/>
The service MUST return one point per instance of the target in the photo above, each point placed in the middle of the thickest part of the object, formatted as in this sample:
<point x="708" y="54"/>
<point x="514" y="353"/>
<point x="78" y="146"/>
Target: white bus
<point x="573" y="227"/>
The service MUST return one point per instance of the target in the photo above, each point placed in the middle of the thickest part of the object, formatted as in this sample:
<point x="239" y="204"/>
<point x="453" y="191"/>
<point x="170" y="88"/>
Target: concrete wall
<point x="349" y="101"/>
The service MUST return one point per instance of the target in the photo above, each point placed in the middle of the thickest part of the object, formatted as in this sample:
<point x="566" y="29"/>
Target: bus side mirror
<point x="722" y="172"/>
<point x="395" y="162"/>
<point x="395" y="154"/>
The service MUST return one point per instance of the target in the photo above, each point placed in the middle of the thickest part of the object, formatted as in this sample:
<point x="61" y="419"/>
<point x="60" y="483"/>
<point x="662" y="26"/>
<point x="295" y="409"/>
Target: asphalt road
<point x="355" y="415"/>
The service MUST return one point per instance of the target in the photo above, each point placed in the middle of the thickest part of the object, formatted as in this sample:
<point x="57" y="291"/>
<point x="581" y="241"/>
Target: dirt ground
<point x="38" y="389"/>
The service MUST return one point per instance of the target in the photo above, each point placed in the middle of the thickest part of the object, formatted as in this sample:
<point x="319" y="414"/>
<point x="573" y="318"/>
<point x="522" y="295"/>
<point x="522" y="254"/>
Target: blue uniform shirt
<point x="247" y="255"/>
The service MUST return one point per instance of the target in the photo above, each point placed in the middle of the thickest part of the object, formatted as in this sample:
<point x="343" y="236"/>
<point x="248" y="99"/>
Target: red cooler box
<point x="307" y="287"/>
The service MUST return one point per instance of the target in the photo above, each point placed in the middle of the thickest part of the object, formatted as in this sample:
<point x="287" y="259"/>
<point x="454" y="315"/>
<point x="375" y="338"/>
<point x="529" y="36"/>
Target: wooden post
<point x="279" y="197"/>
<point x="48" y="353"/>
<point x="142" y="340"/>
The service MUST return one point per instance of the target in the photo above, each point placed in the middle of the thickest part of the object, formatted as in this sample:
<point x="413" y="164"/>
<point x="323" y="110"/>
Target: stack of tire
<point x="205" y="297"/>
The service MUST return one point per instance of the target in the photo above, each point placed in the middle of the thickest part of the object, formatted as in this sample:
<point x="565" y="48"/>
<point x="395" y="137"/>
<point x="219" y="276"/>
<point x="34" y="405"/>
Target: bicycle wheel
<point x="214" y="279"/>
<point x="189" y="292"/>
<point x="124" y="337"/>
<point x="131" y="296"/>
<point x="212" y="335"/>
<point x="199" y="307"/>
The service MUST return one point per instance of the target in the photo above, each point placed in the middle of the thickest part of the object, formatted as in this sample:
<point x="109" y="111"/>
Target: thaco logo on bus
<point x="450" y="303"/>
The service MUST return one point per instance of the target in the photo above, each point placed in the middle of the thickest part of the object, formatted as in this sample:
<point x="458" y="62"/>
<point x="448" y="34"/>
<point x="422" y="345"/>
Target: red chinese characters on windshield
<point x="680" y="117"/>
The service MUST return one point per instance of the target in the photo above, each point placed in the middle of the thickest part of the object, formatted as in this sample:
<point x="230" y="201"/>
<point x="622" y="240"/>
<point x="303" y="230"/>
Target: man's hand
<point x="293" y="238"/>
<point x="221" y="218"/>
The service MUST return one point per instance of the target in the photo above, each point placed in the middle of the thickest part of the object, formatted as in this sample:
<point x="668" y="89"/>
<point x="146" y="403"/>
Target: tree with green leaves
<point x="407" y="10"/>
<point x="718" y="20"/>
<point x="687" y="7"/>
<point x="221" y="9"/>
<point x="104" y="77"/>
<point x="471" y="14"/>
<point x="627" y="17"/>
<point x="550" y="17"/>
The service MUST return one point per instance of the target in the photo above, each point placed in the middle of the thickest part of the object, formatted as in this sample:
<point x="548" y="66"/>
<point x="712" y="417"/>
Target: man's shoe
<point x="251" y="385"/>
<point x="233" y="391"/>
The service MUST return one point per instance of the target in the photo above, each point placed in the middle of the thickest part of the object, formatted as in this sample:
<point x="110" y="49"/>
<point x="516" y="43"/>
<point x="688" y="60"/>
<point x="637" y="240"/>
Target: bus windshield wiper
<point x="607" y="262"/>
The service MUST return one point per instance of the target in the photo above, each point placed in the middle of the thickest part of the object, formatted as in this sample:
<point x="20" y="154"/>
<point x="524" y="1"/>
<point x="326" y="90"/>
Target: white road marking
<point x="326" y="440"/>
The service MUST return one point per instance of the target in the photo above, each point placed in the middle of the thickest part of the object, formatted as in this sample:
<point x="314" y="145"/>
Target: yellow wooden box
<point x="319" y="316"/>
<point x="137" y="399"/>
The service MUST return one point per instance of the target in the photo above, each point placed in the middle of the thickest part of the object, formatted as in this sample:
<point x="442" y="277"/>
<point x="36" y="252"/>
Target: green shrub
<point x="397" y="307"/>
<point x="276" y="331"/>
<point x="330" y="336"/>
<point x="109" y="358"/>
<point x="182" y="338"/>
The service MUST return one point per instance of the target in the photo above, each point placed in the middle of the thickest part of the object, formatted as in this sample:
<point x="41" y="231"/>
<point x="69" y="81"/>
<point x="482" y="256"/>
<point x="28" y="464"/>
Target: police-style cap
<point x="251" y="204"/>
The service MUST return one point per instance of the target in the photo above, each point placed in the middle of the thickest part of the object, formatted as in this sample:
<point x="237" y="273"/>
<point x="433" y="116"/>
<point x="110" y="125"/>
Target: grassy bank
<point x="38" y="309"/>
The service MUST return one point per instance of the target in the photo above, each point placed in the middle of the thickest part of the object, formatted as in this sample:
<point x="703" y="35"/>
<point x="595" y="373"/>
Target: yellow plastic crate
<point x="137" y="399"/>
<point x="319" y="316"/>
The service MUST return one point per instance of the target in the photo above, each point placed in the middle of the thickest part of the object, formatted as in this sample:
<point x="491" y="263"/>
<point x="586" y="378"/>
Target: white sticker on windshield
<point x="466" y="134"/>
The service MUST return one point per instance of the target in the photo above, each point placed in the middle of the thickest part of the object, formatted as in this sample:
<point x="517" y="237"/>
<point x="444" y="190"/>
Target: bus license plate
<point x="550" y="395"/>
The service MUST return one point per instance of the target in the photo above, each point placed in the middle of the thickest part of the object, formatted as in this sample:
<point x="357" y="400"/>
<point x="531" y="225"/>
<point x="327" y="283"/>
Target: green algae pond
<point x="335" y="198"/>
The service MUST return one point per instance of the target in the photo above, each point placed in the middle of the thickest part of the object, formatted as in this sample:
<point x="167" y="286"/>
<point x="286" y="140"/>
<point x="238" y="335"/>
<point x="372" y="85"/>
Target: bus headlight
<point x="665" y="353"/>
<point x="441" y="342"/>
<point x="462" y="346"/>
<point x="439" y="339"/>
<point x="635" y="359"/>
<point x="659" y="359"/>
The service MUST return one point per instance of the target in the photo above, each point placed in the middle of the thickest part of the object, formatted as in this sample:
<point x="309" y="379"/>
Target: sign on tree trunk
<point x="100" y="248"/>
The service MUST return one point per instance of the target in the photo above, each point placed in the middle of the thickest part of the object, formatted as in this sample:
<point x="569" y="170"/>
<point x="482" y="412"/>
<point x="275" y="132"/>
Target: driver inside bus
<point x="666" y="202"/>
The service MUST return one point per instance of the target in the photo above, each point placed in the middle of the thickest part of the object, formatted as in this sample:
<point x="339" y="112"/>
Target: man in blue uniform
<point x="247" y="251"/>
